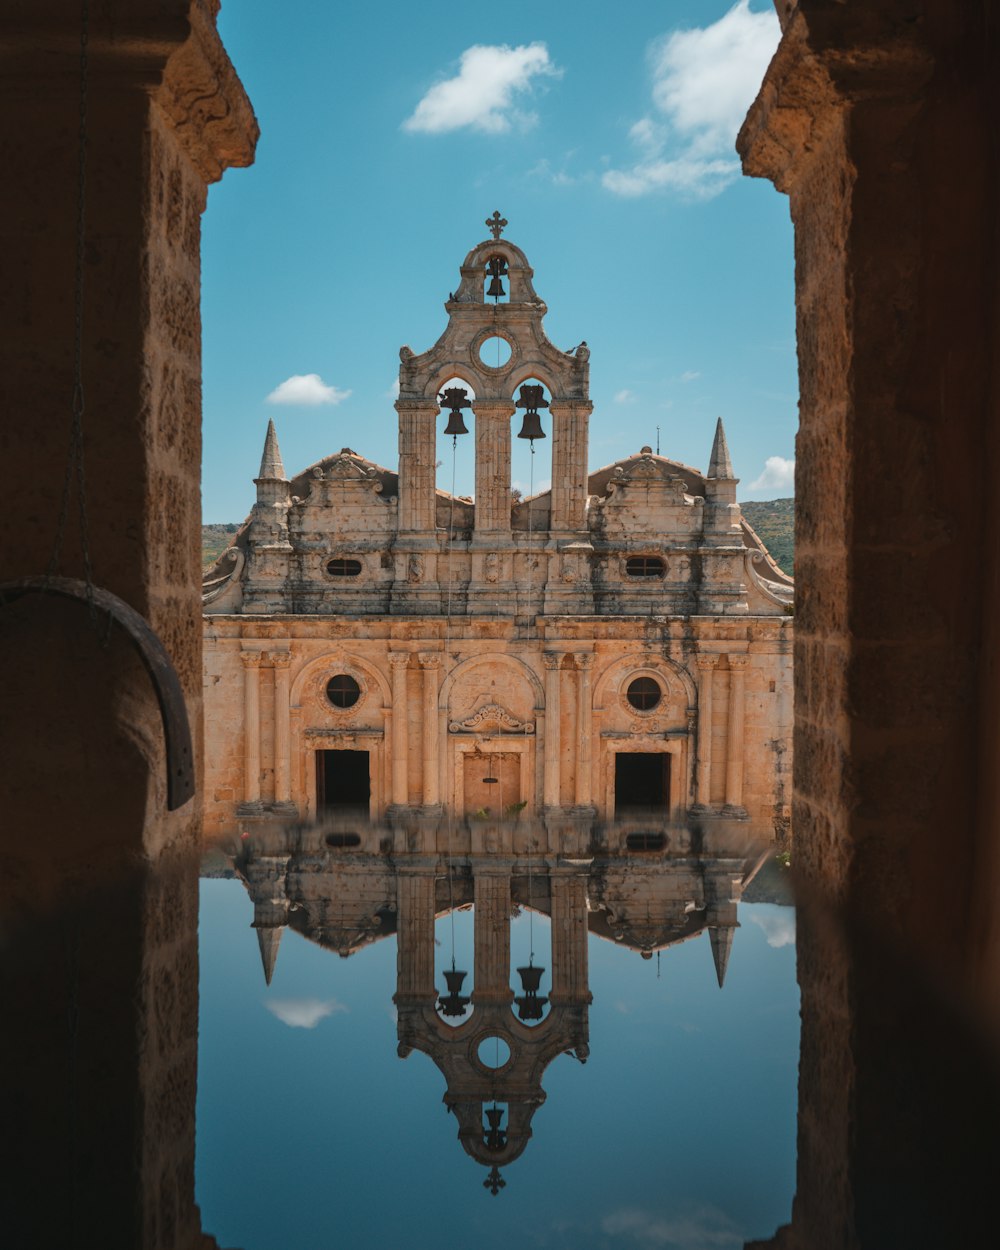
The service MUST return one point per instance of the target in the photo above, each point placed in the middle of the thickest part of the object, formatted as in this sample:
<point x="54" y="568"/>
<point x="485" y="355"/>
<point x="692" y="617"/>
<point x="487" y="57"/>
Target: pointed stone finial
<point x="720" y="465"/>
<point x="721" y="937"/>
<point x="269" y="939"/>
<point x="270" y="463"/>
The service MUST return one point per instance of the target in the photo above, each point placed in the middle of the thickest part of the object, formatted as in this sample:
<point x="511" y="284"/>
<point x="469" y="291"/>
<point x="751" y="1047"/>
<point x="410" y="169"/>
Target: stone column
<point x="399" y="661"/>
<point x="417" y="444"/>
<point x="251" y="726"/>
<point x="551" y="796"/>
<point x="415" y="943"/>
<point x="430" y="662"/>
<point x="569" y="937"/>
<point x="492" y="934"/>
<point x="584" y="661"/>
<point x="734" y="735"/>
<point x="570" y="422"/>
<point x="493" y="465"/>
<point x="707" y="665"/>
<point x="282" y="762"/>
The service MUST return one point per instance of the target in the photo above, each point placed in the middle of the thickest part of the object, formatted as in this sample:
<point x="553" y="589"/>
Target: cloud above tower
<point x="307" y="390"/>
<point x="704" y="80"/>
<point x="482" y="94"/>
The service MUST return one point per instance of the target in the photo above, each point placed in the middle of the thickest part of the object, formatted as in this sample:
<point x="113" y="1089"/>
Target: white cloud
<point x="689" y="375"/>
<point x="704" y="80"/>
<point x="393" y="391"/>
<point x="700" y="1229"/>
<point x="779" y="474"/>
<point x="303" y="1013"/>
<point x="778" y="925"/>
<point x="625" y="396"/>
<point x="307" y="390"/>
<point x="481" y="95"/>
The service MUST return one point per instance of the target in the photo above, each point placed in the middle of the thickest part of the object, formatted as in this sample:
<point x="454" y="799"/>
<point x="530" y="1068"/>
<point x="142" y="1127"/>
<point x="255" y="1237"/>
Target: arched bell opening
<point x="453" y="955"/>
<point x="531" y="455"/>
<point x="531" y="949"/>
<point x="496" y="283"/>
<point x="455" y="444"/>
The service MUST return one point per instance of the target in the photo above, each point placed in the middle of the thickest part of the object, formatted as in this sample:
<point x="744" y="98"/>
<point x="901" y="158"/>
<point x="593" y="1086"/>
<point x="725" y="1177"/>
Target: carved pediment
<point x="494" y="717"/>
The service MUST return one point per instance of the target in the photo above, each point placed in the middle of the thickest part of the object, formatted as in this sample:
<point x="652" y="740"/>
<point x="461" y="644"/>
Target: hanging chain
<point x="75" y="467"/>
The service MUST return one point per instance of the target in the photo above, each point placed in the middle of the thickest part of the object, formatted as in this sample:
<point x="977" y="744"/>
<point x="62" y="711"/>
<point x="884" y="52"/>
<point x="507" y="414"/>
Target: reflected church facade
<point x="345" y="890"/>
<point x="621" y="639"/>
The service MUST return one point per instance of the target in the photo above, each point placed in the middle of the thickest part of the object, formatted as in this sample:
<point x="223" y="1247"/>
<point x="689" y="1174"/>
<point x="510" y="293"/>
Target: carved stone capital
<point x="399" y="659"/>
<point x="707" y="662"/>
<point x="281" y="659"/>
<point x="251" y="659"/>
<point x="499" y="409"/>
<point x="552" y="659"/>
<point x="430" y="659"/>
<point x="739" y="661"/>
<point x="584" y="660"/>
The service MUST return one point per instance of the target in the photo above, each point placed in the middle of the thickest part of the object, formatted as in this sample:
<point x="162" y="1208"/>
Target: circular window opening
<point x="343" y="691"/>
<point x="644" y="693"/>
<point x="495" y="352"/>
<point x="493" y="1052"/>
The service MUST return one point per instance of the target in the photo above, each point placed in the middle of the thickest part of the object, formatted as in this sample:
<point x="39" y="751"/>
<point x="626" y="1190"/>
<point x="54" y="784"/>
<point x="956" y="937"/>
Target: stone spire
<point x="271" y="468"/>
<point x="269" y="939"/>
<point x="721" y="937"/>
<point x="720" y="466"/>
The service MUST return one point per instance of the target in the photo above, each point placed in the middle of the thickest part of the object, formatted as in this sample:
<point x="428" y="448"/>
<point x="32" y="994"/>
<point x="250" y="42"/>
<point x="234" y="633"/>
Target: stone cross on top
<point x="496" y="224"/>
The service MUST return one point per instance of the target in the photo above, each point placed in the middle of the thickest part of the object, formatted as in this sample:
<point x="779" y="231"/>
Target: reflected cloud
<point x="779" y="927"/>
<point x="701" y="1229"/>
<point x="303" y="1013"/>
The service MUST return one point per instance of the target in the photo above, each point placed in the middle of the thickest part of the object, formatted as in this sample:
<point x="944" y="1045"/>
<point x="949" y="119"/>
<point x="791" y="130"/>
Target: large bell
<point x="495" y="1137"/>
<point x="495" y="288"/>
<point x="455" y="398"/>
<point x="531" y="427"/>
<point x="531" y="398"/>
<point x="454" y="1002"/>
<point x="531" y="978"/>
<point x="529" y="1005"/>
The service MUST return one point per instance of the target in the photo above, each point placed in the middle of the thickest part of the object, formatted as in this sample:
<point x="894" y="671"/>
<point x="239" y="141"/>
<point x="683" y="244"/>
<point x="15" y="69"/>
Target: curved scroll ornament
<point x="492" y="714"/>
<point x="774" y="592"/>
<point x="156" y="661"/>
<point x="214" y="587"/>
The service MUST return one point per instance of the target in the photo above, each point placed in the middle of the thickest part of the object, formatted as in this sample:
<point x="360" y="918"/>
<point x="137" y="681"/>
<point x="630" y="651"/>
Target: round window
<point x="644" y="693"/>
<point x="343" y="691"/>
<point x="495" y="352"/>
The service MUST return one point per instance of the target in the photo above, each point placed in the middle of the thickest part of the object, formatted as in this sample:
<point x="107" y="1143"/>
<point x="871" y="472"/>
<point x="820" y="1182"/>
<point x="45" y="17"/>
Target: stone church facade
<point x="620" y="641"/>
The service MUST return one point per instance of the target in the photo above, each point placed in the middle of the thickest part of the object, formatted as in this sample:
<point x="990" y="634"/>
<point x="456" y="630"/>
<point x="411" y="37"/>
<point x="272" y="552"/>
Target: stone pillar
<point x="570" y="422"/>
<point x="282" y="762"/>
<point x="569" y="937"/>
<point x="493" y="465"/>
<point x="430" y="662"/>
<point x="251" y="726"/>
<point x="417" y="460"/>
<point x="399" y="661"/>
<point x="584" y="661"/>
<point x="492" y="933"/>
<point x="734" y="730"/>
<point x="707" y="665"/>
<point x="415" y="942"/>
<point x="551" y="795"/>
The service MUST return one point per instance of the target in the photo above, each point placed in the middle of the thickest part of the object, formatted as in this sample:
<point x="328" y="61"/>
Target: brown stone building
<point x="622" y="639"/>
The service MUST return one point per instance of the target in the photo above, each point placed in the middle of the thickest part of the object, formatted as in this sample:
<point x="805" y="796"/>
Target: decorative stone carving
<point x="491" y="714"/>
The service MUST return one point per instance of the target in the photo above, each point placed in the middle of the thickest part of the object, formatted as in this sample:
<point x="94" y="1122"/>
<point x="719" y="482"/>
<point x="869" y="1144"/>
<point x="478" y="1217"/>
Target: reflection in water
<point x="493" y="1029"/>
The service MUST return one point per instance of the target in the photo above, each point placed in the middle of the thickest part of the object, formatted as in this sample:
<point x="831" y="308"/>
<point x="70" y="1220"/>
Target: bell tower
<point x="494" y="390"/>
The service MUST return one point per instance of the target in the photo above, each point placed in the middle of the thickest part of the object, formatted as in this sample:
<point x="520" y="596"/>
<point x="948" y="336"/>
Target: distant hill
<point x="774" y="521"/>
<point x="214" y="540"/>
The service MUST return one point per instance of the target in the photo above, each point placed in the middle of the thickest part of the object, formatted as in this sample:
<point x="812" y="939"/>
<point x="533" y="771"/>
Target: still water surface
<point x="678" y="1131"/>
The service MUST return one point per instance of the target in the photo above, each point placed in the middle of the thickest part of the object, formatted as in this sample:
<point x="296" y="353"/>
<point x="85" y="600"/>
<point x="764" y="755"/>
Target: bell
<point x="495" y="1137"/>
<point x="455" y="980"/>
<point x="454" y="1002"/>
<point x="531" y="427"/>
<point x="496" y="269"/>
<point x="531" y="978"/>
<point x="455" y="423"/>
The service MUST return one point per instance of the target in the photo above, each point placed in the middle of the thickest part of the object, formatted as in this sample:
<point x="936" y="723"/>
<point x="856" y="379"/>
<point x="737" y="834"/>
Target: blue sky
<point x="603" y="133"/>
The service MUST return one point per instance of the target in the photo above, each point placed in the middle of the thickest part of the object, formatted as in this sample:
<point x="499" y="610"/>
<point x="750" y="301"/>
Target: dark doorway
<point x="642" y="779"/>
<point x="342" y="781"/>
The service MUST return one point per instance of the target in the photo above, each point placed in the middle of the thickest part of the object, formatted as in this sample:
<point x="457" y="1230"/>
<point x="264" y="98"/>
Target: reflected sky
<point x="678" y="1132"/>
